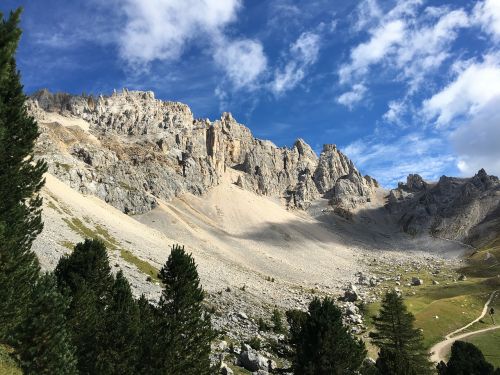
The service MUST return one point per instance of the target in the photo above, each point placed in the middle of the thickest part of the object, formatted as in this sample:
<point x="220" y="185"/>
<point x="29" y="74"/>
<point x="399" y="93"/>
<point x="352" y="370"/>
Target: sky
<point x="400" y="86"/>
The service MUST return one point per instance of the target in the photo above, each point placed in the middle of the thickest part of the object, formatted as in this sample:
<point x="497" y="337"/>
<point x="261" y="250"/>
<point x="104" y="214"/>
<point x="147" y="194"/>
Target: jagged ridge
<point x="130" y="148"/>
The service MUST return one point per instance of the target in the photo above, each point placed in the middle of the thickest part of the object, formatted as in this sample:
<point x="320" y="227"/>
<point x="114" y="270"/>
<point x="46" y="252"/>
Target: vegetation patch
<point x="488" y="343"/>
<point x="141" y="265"/>
<point x="66" y="167"/>
<point x="8" y="365"/>
<point x="67" y="244"/>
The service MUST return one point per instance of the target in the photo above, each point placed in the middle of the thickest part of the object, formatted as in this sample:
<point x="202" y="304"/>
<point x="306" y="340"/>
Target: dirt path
<point x="441" y="349"/>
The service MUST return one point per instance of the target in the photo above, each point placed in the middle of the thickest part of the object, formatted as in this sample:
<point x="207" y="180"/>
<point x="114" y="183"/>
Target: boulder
<point x="251" y="360"/>
<point x="415" y="281"/>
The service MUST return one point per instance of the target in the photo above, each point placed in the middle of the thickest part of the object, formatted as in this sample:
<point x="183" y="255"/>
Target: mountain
<point x="131" y="149"/>
<point x="463" y="209"/>
<point x="268" y="226"/>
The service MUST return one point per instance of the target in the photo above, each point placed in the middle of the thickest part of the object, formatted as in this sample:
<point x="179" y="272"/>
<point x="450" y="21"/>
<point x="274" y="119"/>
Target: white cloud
<point x="367" y="12"/>
<point x="416" y="153"/>
<point x="382" y="40"/>
<point x="352" y="97"/>
<point x="487" y="15"/>
<point x="407" y="42"/>
<point x="243" y="61"/>
<point x="477" y="141"/>
<point x="427" y="47"/>
<point x="303" y="53"/>
<point x="159" y="29"/>
<point x="474" y="87"/>
<point x="395" y="111"/>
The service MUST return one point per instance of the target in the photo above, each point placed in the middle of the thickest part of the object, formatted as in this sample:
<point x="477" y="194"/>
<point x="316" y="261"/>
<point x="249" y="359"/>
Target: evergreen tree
<point x="324" y="347"/>
<point x="44" y="342"/>
<point x="465" y="359"/>
<point x="20" y="181"/>
<point x="277" y="320"/>
<point x="148" y="362"/>
<point x="119" y="342"/>
<point x="85" y="275"/>
<point x="185" y="327"/>
<point x="401" y="346"/>
<point x="87" y="265"/>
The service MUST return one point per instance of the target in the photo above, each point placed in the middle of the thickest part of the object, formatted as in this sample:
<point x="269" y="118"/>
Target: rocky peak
<point x="137" y="148"/>
<point x="449" y="208"/>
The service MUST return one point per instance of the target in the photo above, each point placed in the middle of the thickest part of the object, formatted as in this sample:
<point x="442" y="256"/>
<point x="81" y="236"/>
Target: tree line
<point x="83" y="319"/>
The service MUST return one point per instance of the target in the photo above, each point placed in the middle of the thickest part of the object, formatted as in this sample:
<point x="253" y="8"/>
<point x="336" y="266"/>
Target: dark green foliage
<point x="119" y="342"/>
<point x="401" y="347"/>
<point x="465" y="359"/>
<point x="149" y="316"/>
<point x="20" y="181"/>
<point x="86" y="277"/>
<point x="254" y="343"/>
<point x="87" y="265"/>
<point x="324" y="347"/>
<point x="263" y="326"/>
<point x="185" y="332"/>
<point x="296" y="320"/>
<point x="277" y="320"/>
<point x="44" y="341"/>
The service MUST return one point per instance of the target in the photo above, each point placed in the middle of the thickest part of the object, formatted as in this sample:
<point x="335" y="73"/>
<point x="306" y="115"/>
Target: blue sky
<point x="401" y="86"/>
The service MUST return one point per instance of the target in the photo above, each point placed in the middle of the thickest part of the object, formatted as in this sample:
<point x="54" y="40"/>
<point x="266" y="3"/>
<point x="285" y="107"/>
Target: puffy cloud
<point x="476" y="141"/>
<point x="408" y="43"/>
<point x="352" y="97"/>
<point x="243" y="61"/>
<point x="427" y="47"/>
<point x="416" y="153"/>
<point x="474" y="87"/>
<point x="469" y="106"/>
<point x="303" y="53"/>
<point x="159" y="29"/>
<point x="382" y="40"/>
<point x="395" y="111"/>
<point x="487" y="15"/>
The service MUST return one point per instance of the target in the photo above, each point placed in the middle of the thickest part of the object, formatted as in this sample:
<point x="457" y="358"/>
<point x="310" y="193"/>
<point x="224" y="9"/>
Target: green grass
<point x="455" y="303"/>
<point x="101" y="233"/>
<point x="8" y="365"/>
<point x="66" y="167"/>
<point x="489" y="344"/>
<point x="67" y="244"/>
<point x="141" y="265"/>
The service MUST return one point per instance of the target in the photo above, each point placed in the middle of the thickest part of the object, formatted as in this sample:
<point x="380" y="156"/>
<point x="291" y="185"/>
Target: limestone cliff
<point x="131" y="149"/>
<point x="464" y="209"/>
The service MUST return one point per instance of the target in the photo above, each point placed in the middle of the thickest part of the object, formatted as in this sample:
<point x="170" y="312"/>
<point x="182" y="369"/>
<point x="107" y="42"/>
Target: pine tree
<point x="401" y="345"/>
<point x="88" y="264"/>
<point x="465" y="359"/>
<point x="148" y="363"/>
<point x="324" y="347"/>
<point x="21" y="178"/>
<point x="85" y="276"/>
<point x="44" y="342"/>
<point x="119" y="341"/>
<point x="185" y="327"/>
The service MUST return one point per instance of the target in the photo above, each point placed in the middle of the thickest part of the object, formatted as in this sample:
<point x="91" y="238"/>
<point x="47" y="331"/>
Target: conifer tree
<point x="324" y="347"/>
<point x="185" y="326"/>
<point x="21" y="178"/>
<point x="148" y="363"/>
<point x="119" y="341"/>
<point x="85" y="276"/>
<point x="45" y="346"/>
<point x="401" y="345"/>
<point x="465" y="359"/>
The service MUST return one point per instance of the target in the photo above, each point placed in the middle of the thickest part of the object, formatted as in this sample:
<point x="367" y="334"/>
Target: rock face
<point x="463" y="209"/>
<point x="131" y="149"/>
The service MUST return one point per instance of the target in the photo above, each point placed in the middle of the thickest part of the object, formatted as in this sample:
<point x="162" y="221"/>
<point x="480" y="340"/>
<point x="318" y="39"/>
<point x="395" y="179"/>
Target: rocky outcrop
<point x="453" y="208"/>
<point x="131" y="149"/>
